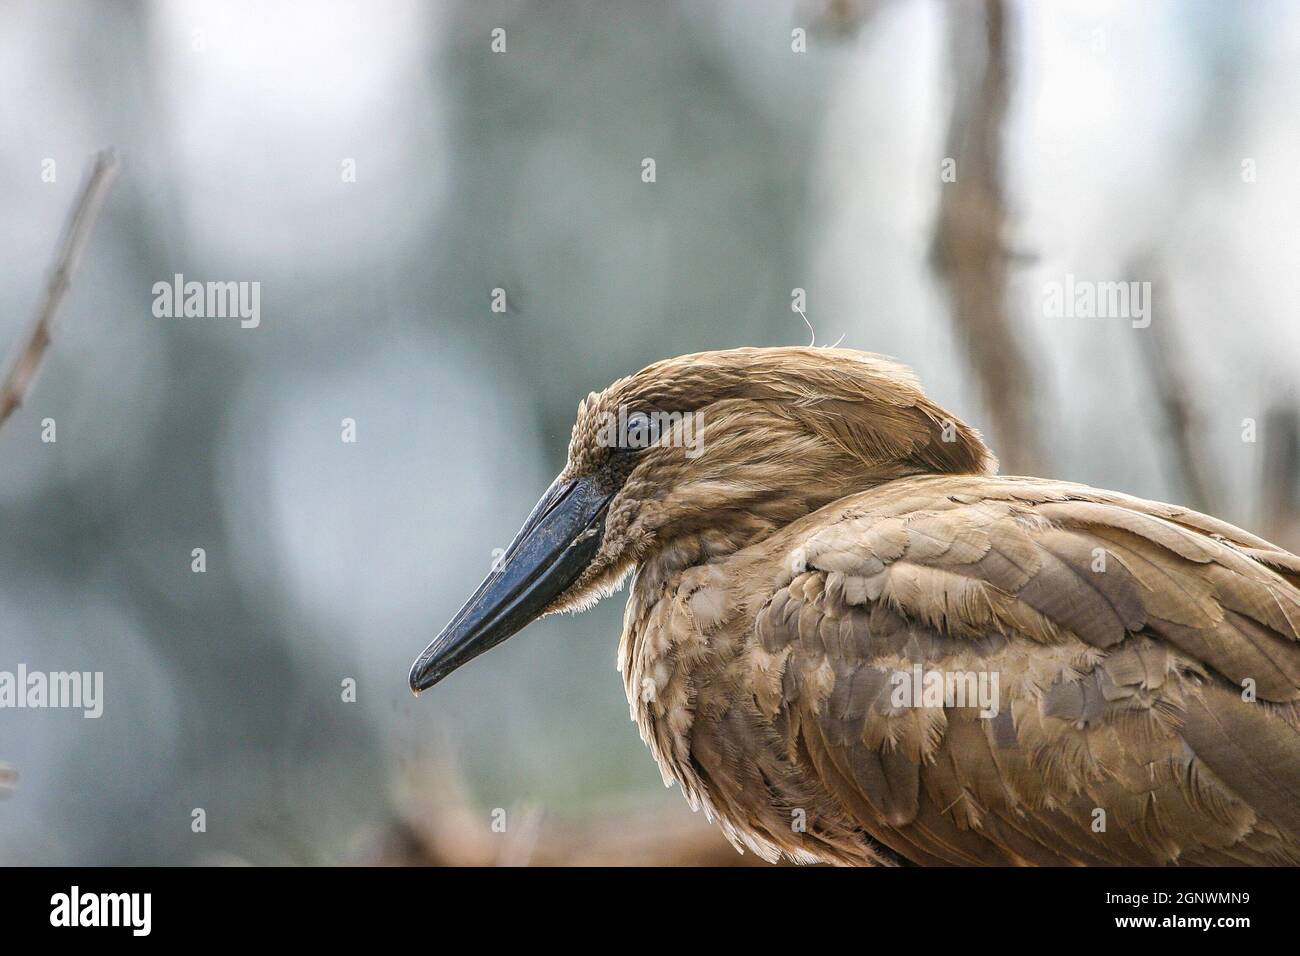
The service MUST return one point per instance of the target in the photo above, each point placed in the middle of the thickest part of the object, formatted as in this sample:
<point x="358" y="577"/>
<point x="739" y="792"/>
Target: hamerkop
<point x="849" y="640"/>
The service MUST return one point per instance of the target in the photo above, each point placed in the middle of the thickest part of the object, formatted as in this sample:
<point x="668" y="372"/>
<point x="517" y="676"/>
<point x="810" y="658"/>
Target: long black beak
<point x="556" y="543"/>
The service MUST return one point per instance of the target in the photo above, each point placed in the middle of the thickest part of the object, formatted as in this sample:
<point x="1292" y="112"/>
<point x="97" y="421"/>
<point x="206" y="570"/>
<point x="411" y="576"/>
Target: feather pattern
<point x="1147" y="663"/>
<point x="1090" y="678"/>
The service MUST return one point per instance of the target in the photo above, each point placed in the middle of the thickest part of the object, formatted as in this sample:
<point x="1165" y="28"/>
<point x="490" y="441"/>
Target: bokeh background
<point x="1141" y="141"/>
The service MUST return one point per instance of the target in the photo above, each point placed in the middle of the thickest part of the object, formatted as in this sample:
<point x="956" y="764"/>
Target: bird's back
<point x="982" y="670"/>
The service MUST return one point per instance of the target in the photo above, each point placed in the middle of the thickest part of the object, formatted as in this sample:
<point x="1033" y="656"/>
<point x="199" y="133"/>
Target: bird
<point x="849" y="640"/>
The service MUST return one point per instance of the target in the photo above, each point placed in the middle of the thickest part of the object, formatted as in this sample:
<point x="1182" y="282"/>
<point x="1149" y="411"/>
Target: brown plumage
<point x="835" y="530"/>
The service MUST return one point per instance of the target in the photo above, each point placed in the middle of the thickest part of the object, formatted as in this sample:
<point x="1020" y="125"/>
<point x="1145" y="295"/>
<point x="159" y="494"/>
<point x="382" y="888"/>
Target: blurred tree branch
<point x="1279" y="476"/>
<point x="969" y="251"/>
<point x="18" y="380"/>
<point x="438" y="824"/>
<point x="76" y="233"/>
<point x="1165" y="361"/>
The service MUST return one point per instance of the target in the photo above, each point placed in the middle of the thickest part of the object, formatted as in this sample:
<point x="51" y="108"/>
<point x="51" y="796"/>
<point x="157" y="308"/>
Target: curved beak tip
<point x="557" y="542"/>
<point x="423" y="675"/>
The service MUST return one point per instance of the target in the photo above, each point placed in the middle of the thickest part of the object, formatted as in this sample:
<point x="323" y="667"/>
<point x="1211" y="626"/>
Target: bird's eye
<point x="637" y="433"/>
<point x="641" y="431"/>
<point x="625" y="430"/>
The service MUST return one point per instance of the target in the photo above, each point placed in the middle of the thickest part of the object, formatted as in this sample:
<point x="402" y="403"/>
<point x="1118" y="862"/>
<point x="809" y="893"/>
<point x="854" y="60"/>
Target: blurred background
<point x="380" y="170"/>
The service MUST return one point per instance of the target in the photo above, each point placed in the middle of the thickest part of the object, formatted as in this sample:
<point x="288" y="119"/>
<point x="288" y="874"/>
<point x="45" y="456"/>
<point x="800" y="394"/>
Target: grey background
<point x="327" y="560"/>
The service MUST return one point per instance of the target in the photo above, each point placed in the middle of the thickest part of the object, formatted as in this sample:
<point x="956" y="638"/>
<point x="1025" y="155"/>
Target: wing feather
<point x="1122" y="634"/>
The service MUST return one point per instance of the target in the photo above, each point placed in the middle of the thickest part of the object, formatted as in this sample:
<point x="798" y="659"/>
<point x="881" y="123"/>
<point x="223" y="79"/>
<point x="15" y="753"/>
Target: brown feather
<point x="840" y="529"/>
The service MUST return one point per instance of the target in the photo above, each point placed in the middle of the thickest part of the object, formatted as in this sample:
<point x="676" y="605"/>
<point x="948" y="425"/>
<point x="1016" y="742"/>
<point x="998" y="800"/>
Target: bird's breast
<point x="678" y="657"/>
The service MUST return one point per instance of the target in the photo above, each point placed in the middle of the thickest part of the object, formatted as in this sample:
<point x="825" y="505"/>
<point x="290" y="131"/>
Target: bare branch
<point x="1279" y="478"/>
<point x="76" y="233"/>
<point x="969" y="249"/>
<point x="1192" y="464"/>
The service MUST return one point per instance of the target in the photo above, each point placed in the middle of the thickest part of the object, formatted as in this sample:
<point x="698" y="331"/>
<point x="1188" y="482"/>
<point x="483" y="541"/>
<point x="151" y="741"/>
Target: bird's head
<point x="698" y="456"/>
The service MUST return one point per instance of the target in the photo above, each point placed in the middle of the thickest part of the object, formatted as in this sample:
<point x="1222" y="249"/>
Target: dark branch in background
<point x="1162" y="354"/>
<point x="76" y="233"/>
<point x="1279" y="477"/>
<point x="968" y="250"/>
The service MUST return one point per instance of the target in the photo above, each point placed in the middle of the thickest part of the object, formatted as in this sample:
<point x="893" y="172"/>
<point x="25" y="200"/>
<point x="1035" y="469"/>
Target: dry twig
<point x="18" y="380"/>
<point x="76" y="233"/>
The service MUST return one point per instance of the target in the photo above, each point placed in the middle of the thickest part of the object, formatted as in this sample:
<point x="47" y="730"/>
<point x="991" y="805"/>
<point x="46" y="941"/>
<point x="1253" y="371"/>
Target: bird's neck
<point x="742" y="520"/>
